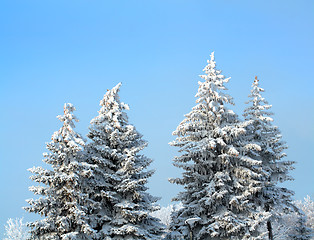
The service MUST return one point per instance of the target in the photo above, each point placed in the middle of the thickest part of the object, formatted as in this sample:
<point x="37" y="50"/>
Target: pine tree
<point x="62" y="204"/>
<point x="219" y="177"/>
<point x="123" y="204"/>
<point x="272" y="198"/>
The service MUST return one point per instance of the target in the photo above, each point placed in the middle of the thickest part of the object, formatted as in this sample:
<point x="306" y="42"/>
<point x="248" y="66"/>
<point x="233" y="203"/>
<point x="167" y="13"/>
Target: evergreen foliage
<point x="62" y="204"/>
<point x="118" y="183"/>
<point x="271" y="153"/>
<point x="272" y="198"/>
<point x="231" y="175"/>
<point x="219" y="177"/>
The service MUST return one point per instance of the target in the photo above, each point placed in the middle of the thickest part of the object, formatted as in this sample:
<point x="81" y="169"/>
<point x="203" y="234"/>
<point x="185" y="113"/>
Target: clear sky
<point x="57" y="51"/>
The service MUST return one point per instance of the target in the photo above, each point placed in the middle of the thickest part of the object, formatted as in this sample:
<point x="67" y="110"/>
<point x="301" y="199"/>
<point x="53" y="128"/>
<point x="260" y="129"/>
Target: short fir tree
<point x="119" y="178"/>
<point x="272" y="198"/>
<point x="62" y="204"/>
<point x="219" y="178"/>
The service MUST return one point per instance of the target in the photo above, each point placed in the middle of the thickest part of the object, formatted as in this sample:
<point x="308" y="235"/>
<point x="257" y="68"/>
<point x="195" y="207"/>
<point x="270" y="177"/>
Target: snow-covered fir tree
<point x="62" y="204"/>
<point x="219" y="178"/>
<point x="122" y="204"/>
<point x="272" y="198"/>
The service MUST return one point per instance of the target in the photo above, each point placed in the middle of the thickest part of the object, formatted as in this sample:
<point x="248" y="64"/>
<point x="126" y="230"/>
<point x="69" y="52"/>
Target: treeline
<point x="232" y="167"/>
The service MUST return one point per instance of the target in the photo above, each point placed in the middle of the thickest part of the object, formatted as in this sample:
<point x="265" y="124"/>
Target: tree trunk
<point x="190" y="230"/>
<point x="270" y="230"/>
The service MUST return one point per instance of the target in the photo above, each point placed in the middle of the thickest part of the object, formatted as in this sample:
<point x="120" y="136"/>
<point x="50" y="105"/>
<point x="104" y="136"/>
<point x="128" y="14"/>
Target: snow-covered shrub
<point x="287" y="227"/>
<point x="164" y="213"/>
<point x="307" y="206"/>
<point x="15" y="229"/>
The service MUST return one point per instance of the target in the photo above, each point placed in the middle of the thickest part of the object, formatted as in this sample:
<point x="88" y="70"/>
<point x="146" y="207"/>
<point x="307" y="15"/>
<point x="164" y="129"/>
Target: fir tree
<point x="62" y="204"/>
<point x="219" y="177"/>
<point x="119" y="176"/>
<point x="272" y="198"/>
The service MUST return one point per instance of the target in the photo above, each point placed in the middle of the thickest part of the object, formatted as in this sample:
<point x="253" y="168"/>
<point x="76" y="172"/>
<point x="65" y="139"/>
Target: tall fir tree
<point x="62" y="204"/>
<point x="219" y="177"/>
<point x="272" y="198"/>
<point x="119" y="176"/>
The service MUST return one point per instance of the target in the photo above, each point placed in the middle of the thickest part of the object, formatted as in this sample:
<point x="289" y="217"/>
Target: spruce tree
<point x="219" y="177"/>
<point x="272" y="198"/>
<point x="62" y="204"/>
<point x="119" y="177"/>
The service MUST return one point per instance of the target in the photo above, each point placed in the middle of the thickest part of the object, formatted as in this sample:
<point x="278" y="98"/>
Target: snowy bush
<point x="16" y="229"/>
<point x="287" y="227"/>
<point x="307" y="206"/>
<point x="164" y="213"/>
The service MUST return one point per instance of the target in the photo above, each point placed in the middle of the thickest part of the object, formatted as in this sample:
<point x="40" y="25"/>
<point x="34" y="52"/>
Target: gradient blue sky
<point x="57" y="51"/>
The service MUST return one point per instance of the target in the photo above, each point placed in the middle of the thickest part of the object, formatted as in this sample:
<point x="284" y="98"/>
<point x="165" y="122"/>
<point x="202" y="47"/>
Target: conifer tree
<point x="271" y="197"/>
<point x="119" y="178"/>
<point x="62" y="204"/>
<point x="219" y="177"/>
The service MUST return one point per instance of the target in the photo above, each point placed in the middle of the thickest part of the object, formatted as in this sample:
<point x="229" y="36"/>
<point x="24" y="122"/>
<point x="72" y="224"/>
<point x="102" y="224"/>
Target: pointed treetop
<point x="258" y="103"/>
<point x="256" y="89"/>
<point x="212" y="57"/>
<point x="212" y="74"/>
<point x="111" y="108"/>
<point x="68" y="107"/>
<point x="213" y="85"/>
<point x="111" y="96"/>
<point x="68" y="116"/>
<point x="114" y="90"/>
<point x="67" y="133"/>
<point x="256" y="84"/>
<point x="210" y="67"/>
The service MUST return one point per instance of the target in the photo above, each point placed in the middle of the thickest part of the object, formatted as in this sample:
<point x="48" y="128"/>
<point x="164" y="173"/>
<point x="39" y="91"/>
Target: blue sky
<point x="52" y="52"/>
